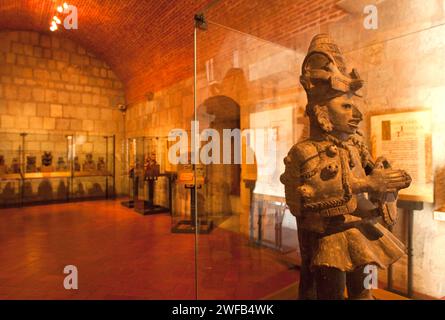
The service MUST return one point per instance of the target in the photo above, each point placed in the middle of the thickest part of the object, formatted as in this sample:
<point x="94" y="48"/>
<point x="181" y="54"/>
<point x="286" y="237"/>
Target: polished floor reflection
<point x="123" y="255"/>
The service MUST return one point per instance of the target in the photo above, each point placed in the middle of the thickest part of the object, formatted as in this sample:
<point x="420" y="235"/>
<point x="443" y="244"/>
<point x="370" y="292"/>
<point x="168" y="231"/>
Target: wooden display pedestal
<point x="130" y="203"/>
<point x="145" y="207"/>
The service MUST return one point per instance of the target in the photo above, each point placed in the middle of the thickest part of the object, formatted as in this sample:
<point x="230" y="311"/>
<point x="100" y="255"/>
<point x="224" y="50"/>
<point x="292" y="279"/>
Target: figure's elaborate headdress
<point x="323" y="73"/>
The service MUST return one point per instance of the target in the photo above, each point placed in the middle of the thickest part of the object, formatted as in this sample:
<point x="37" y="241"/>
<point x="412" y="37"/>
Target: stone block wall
<point x="51" y="85"/>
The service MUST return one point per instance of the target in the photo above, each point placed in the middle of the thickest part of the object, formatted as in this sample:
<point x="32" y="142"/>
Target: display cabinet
<point x="46" y="163"/>
<point x="153" y="183"/>
<point x="47" y="168"/>
<point x="10" y="169"/>
<point x="187" y="217"/>
<point x="93" y="168"/>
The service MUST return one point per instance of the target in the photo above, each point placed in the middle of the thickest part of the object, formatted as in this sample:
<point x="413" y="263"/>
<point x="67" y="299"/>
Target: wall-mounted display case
<point x="93" y="169"/>
<point x="45" y="168"/>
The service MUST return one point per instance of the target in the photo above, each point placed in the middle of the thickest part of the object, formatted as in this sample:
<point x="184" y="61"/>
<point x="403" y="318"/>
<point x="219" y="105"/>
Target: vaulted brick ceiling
<point x="149" y="43"/>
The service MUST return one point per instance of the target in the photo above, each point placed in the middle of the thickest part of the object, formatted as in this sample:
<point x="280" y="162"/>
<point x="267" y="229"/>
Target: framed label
<point x="405" y="139"/>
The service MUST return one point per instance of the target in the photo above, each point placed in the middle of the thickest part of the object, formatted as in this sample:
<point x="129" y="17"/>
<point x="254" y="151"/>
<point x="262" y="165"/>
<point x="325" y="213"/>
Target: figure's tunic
<point x="320" y="177"/>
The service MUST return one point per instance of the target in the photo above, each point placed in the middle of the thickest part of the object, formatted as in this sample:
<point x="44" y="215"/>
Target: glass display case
<point x="46" y="174"/>
<point x="248" y="78"/>
<point x="153" y="181"/>
<point x="46" y="168"/>
<point x="10" y="169"/>
<point x="189" y="190"/>
<point x="93" y="168"/>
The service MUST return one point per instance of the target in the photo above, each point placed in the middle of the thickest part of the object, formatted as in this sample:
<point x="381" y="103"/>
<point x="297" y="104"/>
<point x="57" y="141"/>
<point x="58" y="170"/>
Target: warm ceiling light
<point x="60" y="9"/>
<point x="65" y="5"/>
<point x="53" y="28"/>
<point x="57" y="20"/>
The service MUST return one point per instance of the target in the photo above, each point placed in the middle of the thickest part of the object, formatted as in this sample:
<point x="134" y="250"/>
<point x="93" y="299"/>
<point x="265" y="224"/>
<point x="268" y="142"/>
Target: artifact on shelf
<point x="327" y="178"/>
<point x="47" y="161"/>
<point x="3" y="167"/>
<point x="151" y="167"/>
<point x="101" y="166"/>
<point x="88" y="164"/>
<point x="61" y="164"/>
<point x="31" y="162"/>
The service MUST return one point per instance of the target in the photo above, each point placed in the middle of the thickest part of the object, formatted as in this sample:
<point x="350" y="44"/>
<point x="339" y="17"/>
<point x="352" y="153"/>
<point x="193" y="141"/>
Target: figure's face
<point x="344" y="114"/>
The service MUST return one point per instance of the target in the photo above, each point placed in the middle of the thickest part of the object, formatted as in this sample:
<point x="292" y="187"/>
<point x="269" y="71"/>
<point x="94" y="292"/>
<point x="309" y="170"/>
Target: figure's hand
<point x="382" y="163"/>
<point x="388" y="180"/>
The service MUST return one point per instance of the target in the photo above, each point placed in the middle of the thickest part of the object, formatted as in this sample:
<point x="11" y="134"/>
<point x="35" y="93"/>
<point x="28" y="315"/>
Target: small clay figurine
<point x="76" y="164"/>
<point x="3" y="168"/>
<point x="47" y="160"/>
<point x="15" y="166"/>
<point x="31" y="164"/>
<point x="333" y="186"/>
<point x="88" y="165"/>
<point x="61" y="164"/>
<point x="101" y="166"/>
<point x="151" y="167"/>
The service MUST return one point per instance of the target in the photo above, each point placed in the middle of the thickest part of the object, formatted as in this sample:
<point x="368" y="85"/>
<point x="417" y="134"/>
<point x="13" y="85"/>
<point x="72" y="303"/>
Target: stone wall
<point x="51" y="85"/>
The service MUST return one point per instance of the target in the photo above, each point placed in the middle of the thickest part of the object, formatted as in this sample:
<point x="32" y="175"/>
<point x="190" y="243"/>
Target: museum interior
<point x="147" y="147"/>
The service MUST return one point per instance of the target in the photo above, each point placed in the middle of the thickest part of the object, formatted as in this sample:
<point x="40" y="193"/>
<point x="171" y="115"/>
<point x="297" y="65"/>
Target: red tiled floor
<point x="123" y="255"/>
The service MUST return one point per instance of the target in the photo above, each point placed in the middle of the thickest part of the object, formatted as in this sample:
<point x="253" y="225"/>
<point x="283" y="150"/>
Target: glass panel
<point x="128" y="183"/>
<point x="246" y="109"/>
<point x="151" y="176"/>
<point x="47" y="171"/>
<point x="248" y="77"/>
<point x="93" y="167"/>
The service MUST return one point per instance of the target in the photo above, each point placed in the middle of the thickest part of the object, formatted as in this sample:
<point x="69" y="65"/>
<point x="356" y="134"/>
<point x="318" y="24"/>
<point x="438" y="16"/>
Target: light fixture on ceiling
<point x="53" y="26"/>
<point x="57" y="20"/>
